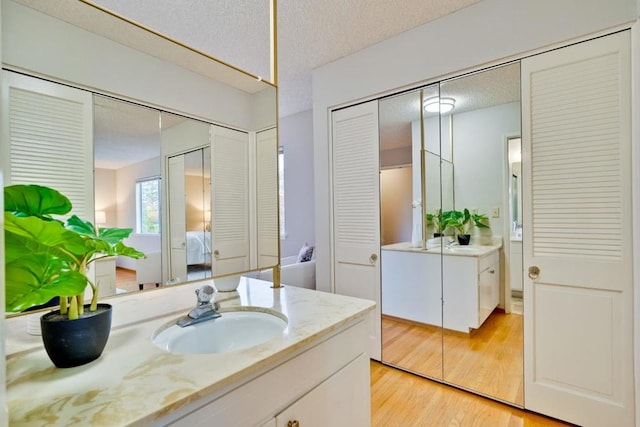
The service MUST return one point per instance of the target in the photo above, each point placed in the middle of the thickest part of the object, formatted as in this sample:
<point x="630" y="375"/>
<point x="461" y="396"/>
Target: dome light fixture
<point x="436" y="104"/>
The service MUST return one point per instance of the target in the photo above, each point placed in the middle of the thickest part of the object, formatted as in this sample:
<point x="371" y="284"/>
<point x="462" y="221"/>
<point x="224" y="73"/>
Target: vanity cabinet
<point x="327" y="384"/>
<point x="106" y="276"/>
<point x="471" y="290"/>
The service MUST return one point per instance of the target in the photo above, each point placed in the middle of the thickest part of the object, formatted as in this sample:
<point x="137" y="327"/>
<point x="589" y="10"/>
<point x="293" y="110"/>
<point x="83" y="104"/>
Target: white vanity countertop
<point x="455" y="250"/>
<point x="134" y="382"/>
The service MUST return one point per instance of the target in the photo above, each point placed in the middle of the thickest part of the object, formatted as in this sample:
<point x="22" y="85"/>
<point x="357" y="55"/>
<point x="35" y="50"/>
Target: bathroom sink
<point x="463" y="249"/>
<point x="233" y="330"/>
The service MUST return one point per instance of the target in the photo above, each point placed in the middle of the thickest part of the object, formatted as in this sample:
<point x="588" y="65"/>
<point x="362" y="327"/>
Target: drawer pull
<point x="492" y="271"/>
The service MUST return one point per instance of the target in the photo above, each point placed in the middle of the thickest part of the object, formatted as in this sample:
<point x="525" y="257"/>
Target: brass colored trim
<point x="172" y="40"/>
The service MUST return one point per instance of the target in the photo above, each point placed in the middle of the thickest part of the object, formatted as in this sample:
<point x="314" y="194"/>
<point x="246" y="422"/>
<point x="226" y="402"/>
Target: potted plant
<point x="460" y="221"/>
<point x="46" y="258"/>
<point x="436" y="220"/>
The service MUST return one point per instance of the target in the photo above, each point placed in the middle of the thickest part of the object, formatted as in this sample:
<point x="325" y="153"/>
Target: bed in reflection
<point x="198" y="247"/>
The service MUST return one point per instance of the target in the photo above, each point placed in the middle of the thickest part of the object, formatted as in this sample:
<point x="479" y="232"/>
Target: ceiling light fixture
<point x="439" y="105"/>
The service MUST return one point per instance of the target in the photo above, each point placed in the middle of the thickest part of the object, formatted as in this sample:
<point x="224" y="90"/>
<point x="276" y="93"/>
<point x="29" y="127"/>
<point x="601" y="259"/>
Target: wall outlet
<point x="495" y="213"/>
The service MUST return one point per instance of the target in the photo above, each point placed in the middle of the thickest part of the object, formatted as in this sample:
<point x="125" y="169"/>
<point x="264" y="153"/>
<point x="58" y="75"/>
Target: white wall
<point x="395" y="205"/>
<point x="105" y="195"/>
<point x="479" y="156"/>
<point x="488" y="32"/>
<point x="295" y="134"/>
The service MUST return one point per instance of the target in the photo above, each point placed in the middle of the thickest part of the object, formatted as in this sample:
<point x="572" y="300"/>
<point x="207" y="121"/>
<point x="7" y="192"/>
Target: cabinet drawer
<point x="487" y="260"/>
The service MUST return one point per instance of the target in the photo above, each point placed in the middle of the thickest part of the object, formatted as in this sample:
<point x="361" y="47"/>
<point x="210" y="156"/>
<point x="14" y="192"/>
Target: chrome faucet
<point x="203" y="311"/>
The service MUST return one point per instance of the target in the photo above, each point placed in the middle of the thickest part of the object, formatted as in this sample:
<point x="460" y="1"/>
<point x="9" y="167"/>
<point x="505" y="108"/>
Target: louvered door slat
<point x="50" y="138"/>
<point x="576" y="166"/>
<point x="267" y="197"/>
<point x="230" y="200"/>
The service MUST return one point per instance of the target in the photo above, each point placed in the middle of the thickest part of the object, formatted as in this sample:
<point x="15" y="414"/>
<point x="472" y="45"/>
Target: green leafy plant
<point x="460" y="221"/>
<point x="437" y="221"/>
<point x="46" y="257"/>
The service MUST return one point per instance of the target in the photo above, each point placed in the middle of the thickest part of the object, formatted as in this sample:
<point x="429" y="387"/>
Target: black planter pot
<point x="464" y="239"/>
<point x="72" y="343"/>
<point x="437" y="235"/>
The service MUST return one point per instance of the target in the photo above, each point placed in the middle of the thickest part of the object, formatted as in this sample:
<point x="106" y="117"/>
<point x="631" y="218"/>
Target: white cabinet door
<point x="356" y="209"/>
<point x="577" y="194"/>
<point x="335" y="402"/>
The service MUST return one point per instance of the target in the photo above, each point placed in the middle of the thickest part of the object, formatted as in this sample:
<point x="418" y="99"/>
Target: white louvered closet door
<point x="177" y="218"/>
<point x="229" y="200"/>
<point x="577" y="194"/>
<point x="267" y="197"/>
<point x="356" y="209"/>
<point x="49" y="129"/>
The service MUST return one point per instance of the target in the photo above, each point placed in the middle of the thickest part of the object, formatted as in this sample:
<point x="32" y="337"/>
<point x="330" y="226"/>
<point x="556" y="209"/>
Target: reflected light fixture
<point x="439" y="105"/>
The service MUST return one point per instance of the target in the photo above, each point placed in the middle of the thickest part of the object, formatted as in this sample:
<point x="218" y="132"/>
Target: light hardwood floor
<point x="488" y="360"/>
<point x="402" y="399"/>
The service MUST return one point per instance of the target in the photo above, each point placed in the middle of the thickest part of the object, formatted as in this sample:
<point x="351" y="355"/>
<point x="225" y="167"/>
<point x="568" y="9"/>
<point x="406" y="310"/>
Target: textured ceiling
<point x="311" y="33"/>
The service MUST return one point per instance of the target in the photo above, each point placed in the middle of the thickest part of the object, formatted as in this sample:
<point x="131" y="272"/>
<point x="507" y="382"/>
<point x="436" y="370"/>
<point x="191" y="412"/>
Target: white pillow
<point x="306" y="253"/>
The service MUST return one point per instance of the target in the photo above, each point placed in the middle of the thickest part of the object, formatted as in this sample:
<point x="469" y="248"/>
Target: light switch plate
<point x="495" y="213"/>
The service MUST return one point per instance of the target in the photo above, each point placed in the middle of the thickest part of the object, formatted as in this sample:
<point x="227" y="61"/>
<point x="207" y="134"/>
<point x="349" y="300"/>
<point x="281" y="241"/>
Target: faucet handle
<point x="204" y="294"/>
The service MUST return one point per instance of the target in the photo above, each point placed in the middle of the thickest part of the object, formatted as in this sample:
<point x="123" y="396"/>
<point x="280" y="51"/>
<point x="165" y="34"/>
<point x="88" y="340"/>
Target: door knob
<point x="373" y="258"/>
<point x="216" y="253"/>
<point x="294" y="423"/>
<point x="534" y="272"/>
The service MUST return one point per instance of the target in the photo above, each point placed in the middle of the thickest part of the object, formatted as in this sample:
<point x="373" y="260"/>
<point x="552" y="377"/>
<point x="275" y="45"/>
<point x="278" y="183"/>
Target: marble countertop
<point x="455" y="250"/>
<point x="134" y="382"/>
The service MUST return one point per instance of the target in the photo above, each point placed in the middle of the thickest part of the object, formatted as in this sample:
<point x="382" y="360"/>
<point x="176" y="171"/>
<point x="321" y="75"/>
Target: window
<point x="283" y="234"/>
<point x="148" y="206"/>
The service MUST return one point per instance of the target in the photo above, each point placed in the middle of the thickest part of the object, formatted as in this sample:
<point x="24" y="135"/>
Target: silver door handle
<point x="534" y="272"/>
<point x="373" y="258"/>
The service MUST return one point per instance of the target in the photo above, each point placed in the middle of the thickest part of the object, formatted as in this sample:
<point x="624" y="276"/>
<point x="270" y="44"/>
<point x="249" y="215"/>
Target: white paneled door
<point x="230" y="200"/>
<point x="577" y="252"/>
<point x="356" y="209"/>
<point x="177" y="219"/>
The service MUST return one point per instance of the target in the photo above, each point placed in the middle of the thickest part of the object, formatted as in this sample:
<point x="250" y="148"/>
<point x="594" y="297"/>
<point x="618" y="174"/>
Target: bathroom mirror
<point x="483" y="337"/>
<point x="410" y="274"/>
<point x="459" y="160"/>
<point x="139" y="88"/>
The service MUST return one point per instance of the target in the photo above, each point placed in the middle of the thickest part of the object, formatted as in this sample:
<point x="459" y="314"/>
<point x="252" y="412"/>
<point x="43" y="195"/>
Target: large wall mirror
<point x="168" y="141"/>
<point x="449" y="312"/>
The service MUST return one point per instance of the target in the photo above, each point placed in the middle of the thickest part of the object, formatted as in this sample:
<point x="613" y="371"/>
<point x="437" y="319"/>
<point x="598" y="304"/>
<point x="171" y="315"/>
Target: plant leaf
<point x="35" y="200"/>
<point x="35" y="279"/>
<point x="37" y="235"/>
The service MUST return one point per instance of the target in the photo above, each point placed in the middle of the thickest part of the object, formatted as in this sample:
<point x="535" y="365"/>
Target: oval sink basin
<point x="463" y="249"/>
<point x="233" y="330"/>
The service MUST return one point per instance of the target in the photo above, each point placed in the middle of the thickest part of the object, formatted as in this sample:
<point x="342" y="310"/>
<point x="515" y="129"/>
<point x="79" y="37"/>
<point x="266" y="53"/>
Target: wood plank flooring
<point x="402" y="399"/>
<point x="489" y="360"/>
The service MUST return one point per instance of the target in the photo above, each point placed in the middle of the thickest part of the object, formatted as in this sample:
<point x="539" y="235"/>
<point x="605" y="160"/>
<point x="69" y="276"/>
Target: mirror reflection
<point x="447" y="305"/>
<point x="141" y="106"/>
<point x="483" y="338"/>
<point x="410" y="274"/>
